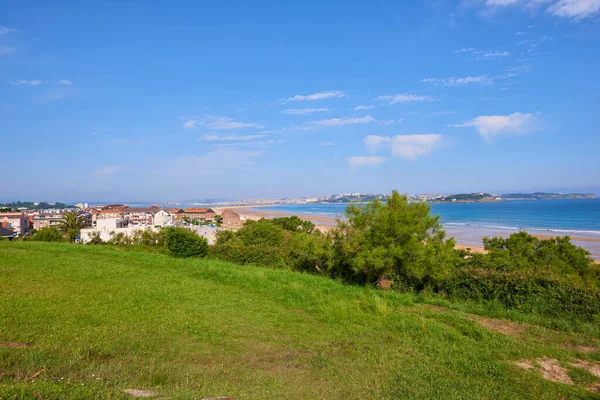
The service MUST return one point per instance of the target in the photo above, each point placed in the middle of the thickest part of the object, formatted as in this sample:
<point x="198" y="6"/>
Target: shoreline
<point x="465" y="236"/>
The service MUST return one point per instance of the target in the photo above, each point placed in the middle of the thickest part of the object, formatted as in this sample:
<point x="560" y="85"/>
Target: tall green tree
<point x="394" y="241"/>
<point x="71" y="224"/>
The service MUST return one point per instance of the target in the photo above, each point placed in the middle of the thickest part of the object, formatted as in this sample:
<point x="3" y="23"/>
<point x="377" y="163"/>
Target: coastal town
<point x="105" y="221"/>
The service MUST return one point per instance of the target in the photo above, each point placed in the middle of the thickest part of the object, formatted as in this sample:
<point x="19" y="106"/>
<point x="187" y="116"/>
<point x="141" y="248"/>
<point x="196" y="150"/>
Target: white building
<point x="16" y="221"/>
<point x="108" y="227"/>
<point x="162" y="218"/>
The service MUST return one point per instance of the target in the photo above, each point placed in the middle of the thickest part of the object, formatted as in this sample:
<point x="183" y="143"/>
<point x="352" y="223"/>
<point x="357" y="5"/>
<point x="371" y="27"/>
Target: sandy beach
<point x="466" y="237"/>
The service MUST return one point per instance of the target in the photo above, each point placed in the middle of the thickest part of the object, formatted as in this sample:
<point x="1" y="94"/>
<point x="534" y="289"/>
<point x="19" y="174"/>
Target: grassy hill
<point x="94" y="321"/>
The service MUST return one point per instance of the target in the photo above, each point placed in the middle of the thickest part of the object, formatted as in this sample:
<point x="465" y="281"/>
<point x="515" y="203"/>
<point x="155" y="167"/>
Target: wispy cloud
<point x="404" y="98"/>
<point x="343" y="121"/>
<point x="467" y="80"/>
<point x="492" y="55"/>
<point x="359" y="108"/>
<point x="404" y="146"/>
<point x="483" y="55"/>
<point x="360" y="161"/>
<point x="20" y="82"/>
<point x="490" y="126"/>
<point x="574" y="9"/>
<point x="104" y="172"/>
<point x="218" y="123"/>
<point x="64" y="82"/>
<point x="464" y="50"/>
<point x="231" y="137"/>
<point x="326" y="144"/>
<point x="5" y="30"/>
<point x="302" y="111"/>
<point x="5" y="50"/>
<point x="317" y="96"/>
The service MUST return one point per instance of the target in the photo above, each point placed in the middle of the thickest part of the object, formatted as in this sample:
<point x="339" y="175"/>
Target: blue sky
<point x="155" y="101"/>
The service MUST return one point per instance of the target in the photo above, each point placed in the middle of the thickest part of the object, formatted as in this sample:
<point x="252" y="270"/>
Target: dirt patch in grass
<point x="592" y="368"/>
<point x="594" y="388"/>
<point x="501" y="326"/>
<point x="584" y="349"/>
<point x="436" y="308"/>
<point x="139" y="393"/>
<point x="16" y="344"/>
<point x="550" y="369"/>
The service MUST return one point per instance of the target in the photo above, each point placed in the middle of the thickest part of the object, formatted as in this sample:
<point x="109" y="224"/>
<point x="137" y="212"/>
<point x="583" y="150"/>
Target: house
<point x="17" y="221"/>
<point x="107" y="227"/>
<point x="6" y="233"/>
<point x="230" y="218"/>
<point x="111" y="211"/>
<point x="200" y="213"/>
<point x="176" y="214"/>
<point x="162" y="218"/>
<point x="140" y="216"/>
<point x="46" y="220"/>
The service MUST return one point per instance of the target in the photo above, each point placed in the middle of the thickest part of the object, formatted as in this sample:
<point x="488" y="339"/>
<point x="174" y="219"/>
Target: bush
<point x="49" y="234"/>
<point x="528" y="292"/>
<point x="257" y="254"/>
<point x="183" y="243"/>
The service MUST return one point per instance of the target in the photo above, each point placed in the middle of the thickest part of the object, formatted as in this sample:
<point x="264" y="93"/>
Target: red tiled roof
<point x="198" y="210"/>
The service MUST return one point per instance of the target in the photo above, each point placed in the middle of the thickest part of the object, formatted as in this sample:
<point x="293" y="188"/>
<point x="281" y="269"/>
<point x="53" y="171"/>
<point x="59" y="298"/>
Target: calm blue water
<point x="571" y="217"/>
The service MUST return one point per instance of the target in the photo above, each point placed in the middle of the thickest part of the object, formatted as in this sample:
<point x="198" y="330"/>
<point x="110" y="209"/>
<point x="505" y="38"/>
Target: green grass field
<point x="98" y="320"/>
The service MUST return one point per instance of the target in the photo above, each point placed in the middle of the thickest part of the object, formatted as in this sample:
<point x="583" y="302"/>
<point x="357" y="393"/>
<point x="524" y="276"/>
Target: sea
<point x="468" y="223"/>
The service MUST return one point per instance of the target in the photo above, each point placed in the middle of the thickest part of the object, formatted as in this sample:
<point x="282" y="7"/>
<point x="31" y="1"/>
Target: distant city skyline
<point x="150" y="102"/>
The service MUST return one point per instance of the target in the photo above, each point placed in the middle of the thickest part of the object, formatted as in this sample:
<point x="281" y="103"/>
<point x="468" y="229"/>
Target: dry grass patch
<point x="550" y="369"/>
<point x="505" y="327"/>
<point x="592" y="368"/>
<point x="16" y="344"/>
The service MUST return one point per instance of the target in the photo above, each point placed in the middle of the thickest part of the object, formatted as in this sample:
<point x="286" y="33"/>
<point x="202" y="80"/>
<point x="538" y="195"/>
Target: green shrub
<point x="526" y="291"/>
<point x="184" y="243"/>
<point x="256" y="254"/>
<point x="49" y="234"/>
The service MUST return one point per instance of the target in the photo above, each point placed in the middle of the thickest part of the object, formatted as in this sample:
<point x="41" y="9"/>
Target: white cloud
<point x="4" y="30"/>
<point x="231" y="137"/>
<point x="317" y="96"/>
<point x="404" y="146"/>
<point x="494" y="3"/>
<point x="464" y="50"/>
<point x="220" y="123"/>
<point x="20" y="82"/>
<point x="302" y="111"/>
<point x="413" y="146"/>
<point x="360" y="161"/>
<point x="467" y="80"/>
<point x="344" y="121"/>
<point x="326" y="144"/>
<point x="5" y="50"/>
<point x="218" y="161"/>
<point x="64" y="82"/>
<point x="374" y="142"/>
<point x="404" y="98"/>
<point x="103" y="172"/>
<point x="492" y="55"/>
<point x="519" y="33"/>
<point x="359" y="108"/>
<point x="576" y="9"/>
<point x="490" y="126"/>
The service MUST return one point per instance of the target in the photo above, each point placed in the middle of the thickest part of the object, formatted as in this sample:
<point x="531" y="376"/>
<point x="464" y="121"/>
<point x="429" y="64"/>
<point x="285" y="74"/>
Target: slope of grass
<point x="98" y="320"/>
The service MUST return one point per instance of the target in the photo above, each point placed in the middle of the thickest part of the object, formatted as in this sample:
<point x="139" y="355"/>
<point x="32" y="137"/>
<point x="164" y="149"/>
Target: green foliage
<point x="183" y="243"/>
<point x="294" y="224"/>
<point x="48" y="234"/>
<point x="94" y="238"/>
<point x="527" y="291"/>
<point x="397" y="240"/>
<point x="72" y="223"/>
<point x="556" y="256"/>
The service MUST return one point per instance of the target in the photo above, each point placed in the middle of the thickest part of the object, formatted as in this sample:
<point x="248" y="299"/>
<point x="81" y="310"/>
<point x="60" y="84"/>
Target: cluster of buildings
<point x="118" y="218"/>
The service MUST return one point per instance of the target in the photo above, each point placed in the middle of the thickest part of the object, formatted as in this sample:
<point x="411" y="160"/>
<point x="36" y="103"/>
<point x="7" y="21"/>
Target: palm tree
<point x="71" y="223"/>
